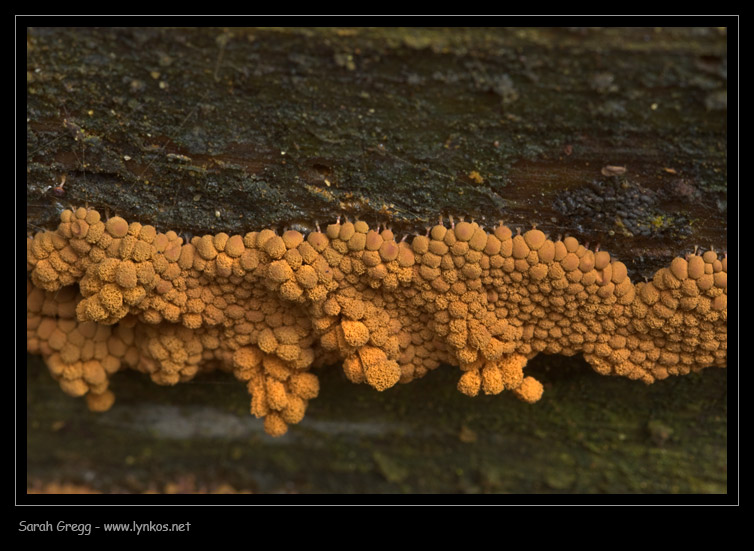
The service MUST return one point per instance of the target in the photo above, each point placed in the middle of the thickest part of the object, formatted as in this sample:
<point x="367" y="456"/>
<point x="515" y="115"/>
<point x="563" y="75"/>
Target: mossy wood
<point x="616" y="137"/>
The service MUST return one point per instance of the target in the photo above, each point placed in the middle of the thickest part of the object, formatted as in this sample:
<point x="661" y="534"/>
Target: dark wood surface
<point x="615" y="136"/>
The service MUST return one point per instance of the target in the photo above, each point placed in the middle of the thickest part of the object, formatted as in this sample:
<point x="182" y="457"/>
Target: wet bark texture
<point x="614" y="136"/>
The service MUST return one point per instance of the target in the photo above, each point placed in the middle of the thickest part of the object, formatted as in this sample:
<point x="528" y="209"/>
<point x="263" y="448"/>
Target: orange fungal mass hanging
<point x="105" y="296"/>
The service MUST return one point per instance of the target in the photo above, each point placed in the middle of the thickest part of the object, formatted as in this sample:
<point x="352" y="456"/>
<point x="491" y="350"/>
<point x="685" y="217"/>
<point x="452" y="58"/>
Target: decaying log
<point x="615" y="136"/>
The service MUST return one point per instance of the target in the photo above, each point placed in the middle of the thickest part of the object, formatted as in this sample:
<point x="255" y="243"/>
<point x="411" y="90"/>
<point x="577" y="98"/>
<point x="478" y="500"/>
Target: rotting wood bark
<point x="208" y="130"/>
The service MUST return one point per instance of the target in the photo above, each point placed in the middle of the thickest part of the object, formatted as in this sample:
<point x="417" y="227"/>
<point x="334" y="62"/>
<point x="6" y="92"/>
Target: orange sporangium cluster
<point x="107" y="295"/>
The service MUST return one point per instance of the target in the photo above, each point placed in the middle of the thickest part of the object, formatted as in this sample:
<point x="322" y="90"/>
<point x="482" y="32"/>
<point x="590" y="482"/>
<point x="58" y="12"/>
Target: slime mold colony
<point x="106" y="295"/>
